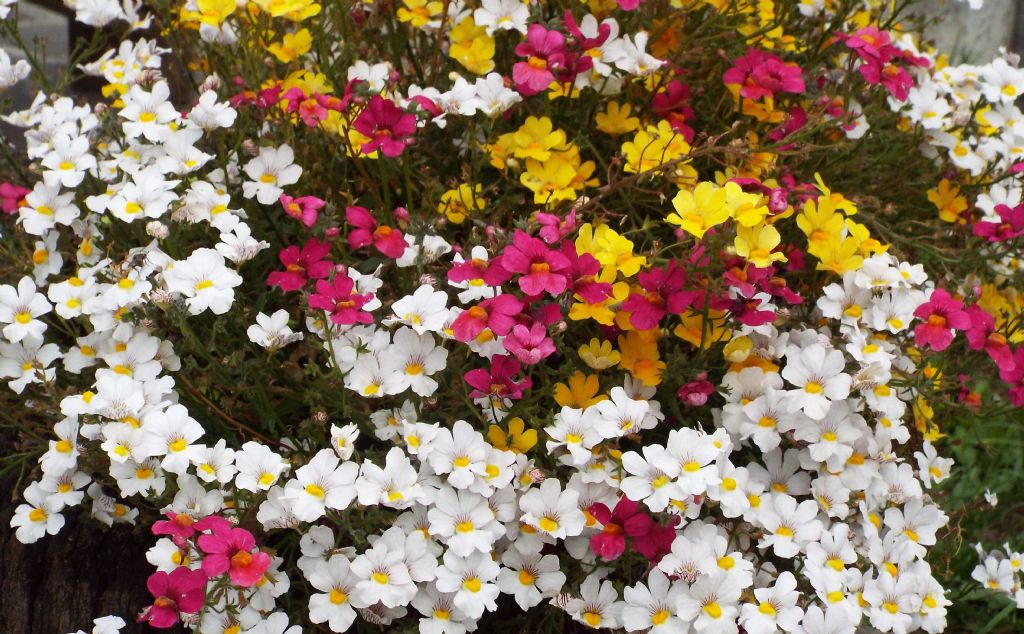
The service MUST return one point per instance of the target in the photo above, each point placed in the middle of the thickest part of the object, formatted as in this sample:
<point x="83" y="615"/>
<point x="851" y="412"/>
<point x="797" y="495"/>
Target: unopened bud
<point x="428" y="280"/>
<point x="320" y="417"/>
<point x="249" y="147"/>
<point x="212" y="82"/>
<point x="157" y="229"/>
<point x="99" y="109"/>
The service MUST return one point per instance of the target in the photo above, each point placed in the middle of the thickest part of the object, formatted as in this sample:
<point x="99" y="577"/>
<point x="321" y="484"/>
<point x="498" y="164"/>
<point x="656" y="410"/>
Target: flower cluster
<point x="491" y="306"/>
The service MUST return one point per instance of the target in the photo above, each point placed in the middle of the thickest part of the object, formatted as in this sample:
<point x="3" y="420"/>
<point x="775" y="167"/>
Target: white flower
<point x="776" y="607"/>
<point x="214" y="464"/>
<point x="210" y="114"/>
<point x="575" y="430"/>
<point x="506" y="15"/>
<point x="19" y="309"/>
<point x="647" y="481"/>
<point x="597" y="606"/>
<point x="463" y="521"/>
<point x="710" y="603"/>
<point x="553" y="511"/>
<point x="343" y="440"/>
<point x="530" y="577"/>
<point x="147" y="113"/>
<point x="426" y="310"/>
<point x="396" y="485"/>
<point x="322" y="484"/>
<point x="46" y="208"/>
<point x="383" y="576"/>
<point x="472" y="579"/>
<point x="27" y="362"/>
<point x="39" y="516"/>
<point x="460" y="454"/>
<point x="789" y="527"/>
<point x="238" y="245"/>
<point x="205" y="281"/>
<point x="258" y="467"/>
<point x="931" y="467"/>
<point x="631" y="56"/>
<point x="336" y="584"/>
<point x="272" y="331"/>
<point x="170" y="433"/>
<point x="652" y="607"/>
<point x="10" y="74"/>
<point x="818" y="373"/>
<point x="68" y="161"/>
<point x="410" y="362"/>
<point x="893" y="601"/>
<point x="621" y="415"/>
<point x="271" y="170"/>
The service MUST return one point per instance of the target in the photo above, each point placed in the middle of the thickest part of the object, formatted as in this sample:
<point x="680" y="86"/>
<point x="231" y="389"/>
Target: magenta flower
<point x="179" y="526"/>
<point x="582" y="274"/>
<point x="338" y="299"/>
<point x="497" y="314"/>
<point x="941" y="315"/>
<point x="664" y="291"/>
<point x="300" y="266"/>
<point x="529" y="344"/>
<point x="310" y="109"/>
<point x="498" y="383"/>
<point x="1010" y="227"/>
<point x="627" y="519"/>
<point x="553" y="227"/>
<point x="544" y="51"/>
<point x="540" y="269"/>
<point x="982" y="335"/>
<point x="181" y="591"/>
<point x="232" y="550"/>
<point x="304" y="208"/>
<point x="11" y="196"/>
<point x="762" y="74"/>
<point x="672" y="104"/>
<point x="388" y="127"/>
<point x="391" y="242"/>
<point x="696" y="392"/>
<point x="1015" y="378"/>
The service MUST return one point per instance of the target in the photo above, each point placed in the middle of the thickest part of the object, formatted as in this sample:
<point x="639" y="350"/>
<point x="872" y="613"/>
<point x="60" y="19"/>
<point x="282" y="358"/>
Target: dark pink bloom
<point x="1014" y="378"/>
<point x="540" y="269"/>
<point x="389" y="241"/>
<point x="338" y="299"/>
<point x="497" y="314"/>
<point x="303" y="265"/>
<point x="233" y="550"/>
<point x="529" y="344"/>
<point x="696" y="393"/>
<point x="941" y="314"/>
<point x="982" y="335"/>
<point x="179" y="526"/>
<point x="304" y="208"/>
<point x="629" y="5"/>
<point x="498" y="383"/>
<point x="878" y="56"/>
<point x="658" y="541"/>
<point x="388" y="127"/>
<point x="544" y="51"/>
<point x="181" y="591"/>
<point x="672" y="104"/>
<point x="310" y="109"/>
<point x="1010" y="227"/>
<point x="11" y="196"/>
<point x="627" y="519"/>
<point x="582" y="275"/>
<point x="553" y="227"/>
<point x="468" y="271"/>
<point x="663" y="292"/>
<point x="762" y="74"/>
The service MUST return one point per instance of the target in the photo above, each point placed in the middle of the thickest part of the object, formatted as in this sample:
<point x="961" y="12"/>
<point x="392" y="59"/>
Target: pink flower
<point x="231" y="550"/>
<point x="762" y="74"/>
<point x="1011" y="227"/>
<point x="304" y="208"/>
<point x="310" y="109"/>
<point x="582" y="275"/>
<point x="181" y="590"/>
<point x="529" y="345"/>
<point x="696" y="393"/>
<point x="982" y="335"/>
<point x="301" y="266"/>
<point x="1015" y="378"/>
<point x="942" y="315"/>
<point x="391" y="242"/>
<point x="553" y="227"/>
<point x="672" y="104"/>
<point x="663" y="292"/>
<point x="540" y="268"/>
<point x="388" y="127"/>
<point x="179" y="526"/>
<point x="11" y="196"/>
<point x="627" y="519"/>
<point x="498" y="383"/>
<point x="497" y="314"/>
<point x="545" y="53"/>
<point x="338" y="299"/>
<point x="877" y="54"/>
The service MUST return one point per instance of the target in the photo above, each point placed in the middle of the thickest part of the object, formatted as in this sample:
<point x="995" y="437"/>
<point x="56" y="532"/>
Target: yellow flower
<point x="838" y="256"/>
<point x="214" y="12"/>
<point x="746" y="209"/>
<point x="757" y="245"/>
<point x="550" y="181"/>
<point x="652" y="147"/>
<point x="295" y="10"/>
<point x="700" y="209"/>
<point x="820" y="221"/>
<point x="640" y="357"/>
<point x="420" y="13"/>
<point x="599" y="355"/>
<point x="947" y="199"/>
<point x="580" y="392"/>
<point x="472" y="47"/>
<point x="615" y="120"/>
<point x="694" y="329"/>
<point x="536" y="138"/>
<point x="738" y="349"/>
<point x="924" y="420"/>
<point x="517" y="440"/>
<point x="292" y="47"/>
<point x="458" y="203"/>
<point x="609" y="248"/>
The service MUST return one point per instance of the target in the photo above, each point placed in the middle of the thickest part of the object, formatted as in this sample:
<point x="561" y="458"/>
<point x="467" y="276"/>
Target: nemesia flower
<point x="540" y="269"/>
<point x="301" y="265"/>
<point x="497" y="383"/>
<point x="342" y="304"/>
<point x="761" y="74"/>
<point x="1011" y="225"/>
<point x="304" y="208"/>
<point x="230" y="550"/>
<point x="180" y="591"/>
<point x="545" y="53"/>
<point x="942" y="315"/>
<point x="385" y="239"/>
<point x="625" y="520"/>
<point x="11" y="197"/>
<point x="386" y="125"/>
